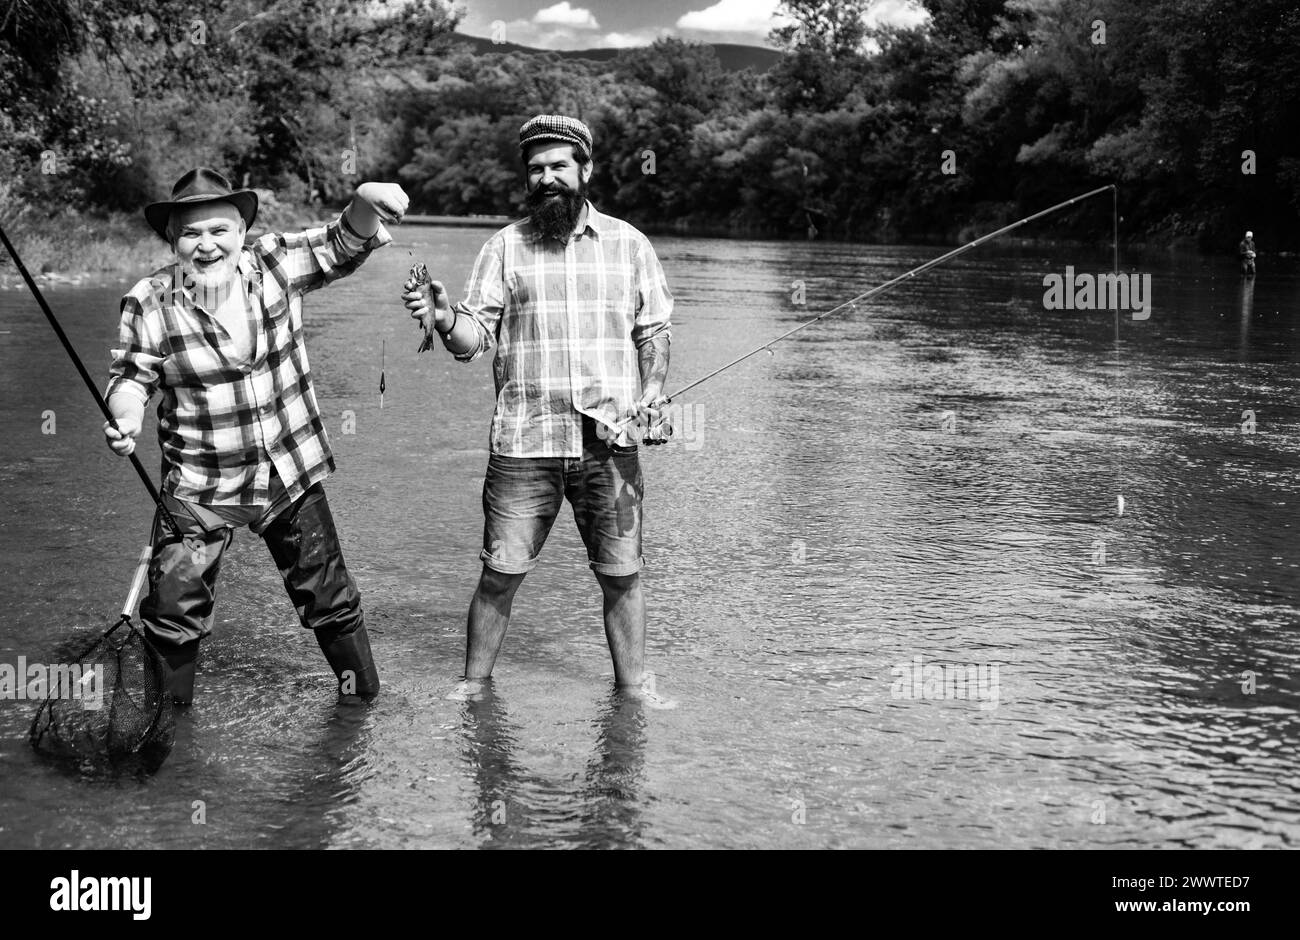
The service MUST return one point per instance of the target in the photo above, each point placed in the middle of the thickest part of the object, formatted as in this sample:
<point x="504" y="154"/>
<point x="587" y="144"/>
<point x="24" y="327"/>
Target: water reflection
<point x="1247" y="308"/>
<point x="336" y="765"/>
<point x="612" y="802"/>
<point x="516" y="808"/>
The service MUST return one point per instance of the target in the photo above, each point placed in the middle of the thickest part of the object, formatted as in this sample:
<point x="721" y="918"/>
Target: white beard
<point x="212" y="286"/>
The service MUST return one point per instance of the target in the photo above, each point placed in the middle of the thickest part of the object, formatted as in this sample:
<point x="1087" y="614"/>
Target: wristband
<point x="455" y="315"/>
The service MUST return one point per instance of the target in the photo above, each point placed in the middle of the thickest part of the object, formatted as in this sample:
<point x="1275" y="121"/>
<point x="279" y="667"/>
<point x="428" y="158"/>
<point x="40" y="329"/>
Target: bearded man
<point x="577" y="306"/>
<point x="219" y="333"/>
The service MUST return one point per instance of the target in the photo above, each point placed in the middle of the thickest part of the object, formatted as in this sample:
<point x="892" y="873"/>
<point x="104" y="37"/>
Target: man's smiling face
<point x="557" y="188"/>
<point x="553" y="167"/>
<point x="208" y="238"/>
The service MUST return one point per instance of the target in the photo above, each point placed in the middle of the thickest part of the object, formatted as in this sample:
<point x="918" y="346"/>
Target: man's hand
<point x="122" y="442"/>
<point x="650" y="417"/>
<point x="387" y="200"/>
<point x="429" y="300"/>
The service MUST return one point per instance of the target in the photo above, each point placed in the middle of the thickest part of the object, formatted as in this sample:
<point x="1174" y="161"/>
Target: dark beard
<point x="556" y="217"/>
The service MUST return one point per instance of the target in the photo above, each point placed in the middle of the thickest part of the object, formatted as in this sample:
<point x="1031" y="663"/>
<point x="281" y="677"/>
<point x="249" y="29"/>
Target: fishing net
<point x="128" y="716"/>
<point x="107" y="707"/>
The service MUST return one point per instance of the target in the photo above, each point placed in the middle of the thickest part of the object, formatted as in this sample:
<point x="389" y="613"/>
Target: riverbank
<point x="76" y="248"/>
<point x="70" y="247"/>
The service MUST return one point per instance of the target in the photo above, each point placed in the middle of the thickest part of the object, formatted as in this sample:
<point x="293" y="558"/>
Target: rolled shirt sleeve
<point x="654" y="299"/>
<point x="484" y="297"/>
<point x="319" y="256"/>
<point x="137" y="363"/>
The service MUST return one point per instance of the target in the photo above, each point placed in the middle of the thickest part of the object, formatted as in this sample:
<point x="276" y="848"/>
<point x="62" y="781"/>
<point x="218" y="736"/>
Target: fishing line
<point x="1119" y="478"/>
<point x="85" y="377"/>
<point x="852" y="302"/>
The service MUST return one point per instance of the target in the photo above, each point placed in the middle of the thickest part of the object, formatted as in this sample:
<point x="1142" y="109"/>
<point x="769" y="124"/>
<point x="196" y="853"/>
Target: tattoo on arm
<point x="652" y="359"/>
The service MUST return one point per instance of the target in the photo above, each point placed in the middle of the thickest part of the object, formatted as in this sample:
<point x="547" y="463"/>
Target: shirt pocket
<point x="517" y="291"/>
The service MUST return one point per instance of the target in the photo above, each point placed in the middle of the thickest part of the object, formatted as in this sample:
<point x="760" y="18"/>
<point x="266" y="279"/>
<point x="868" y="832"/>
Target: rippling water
<point x="890" y="589"/>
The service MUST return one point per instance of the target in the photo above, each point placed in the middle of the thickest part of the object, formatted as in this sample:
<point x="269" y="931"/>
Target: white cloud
<point x="732" y="16"/>
<point x="638" y="37"/>
<point x="563" y="26"/>
<point x="750" y="21"/>
<point x="561" y="14"/>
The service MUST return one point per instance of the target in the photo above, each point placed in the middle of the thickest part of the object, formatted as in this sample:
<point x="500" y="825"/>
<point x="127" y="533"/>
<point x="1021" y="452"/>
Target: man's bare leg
<point x="489" y="616"/>
<point x="625" y="626"/>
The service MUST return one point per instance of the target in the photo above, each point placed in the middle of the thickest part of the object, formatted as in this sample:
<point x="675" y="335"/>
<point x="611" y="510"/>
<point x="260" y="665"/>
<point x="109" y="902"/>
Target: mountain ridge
<point x="733" y="57"/>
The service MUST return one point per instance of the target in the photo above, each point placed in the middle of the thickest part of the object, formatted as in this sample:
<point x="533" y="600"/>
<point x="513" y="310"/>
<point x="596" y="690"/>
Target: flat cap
<point x="555" y="127"/>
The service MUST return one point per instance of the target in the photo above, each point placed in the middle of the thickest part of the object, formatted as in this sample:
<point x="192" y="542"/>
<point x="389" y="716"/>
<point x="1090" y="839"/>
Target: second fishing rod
<point x="852" y="302"/>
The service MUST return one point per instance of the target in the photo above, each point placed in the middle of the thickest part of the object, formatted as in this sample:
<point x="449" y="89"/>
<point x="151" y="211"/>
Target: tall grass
<point x="81" y="246"/>
<point x="77" y="245"/>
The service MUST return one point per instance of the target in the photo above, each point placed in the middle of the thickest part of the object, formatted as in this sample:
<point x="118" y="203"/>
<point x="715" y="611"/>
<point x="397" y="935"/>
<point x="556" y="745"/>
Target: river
<point x="892" y="594"/>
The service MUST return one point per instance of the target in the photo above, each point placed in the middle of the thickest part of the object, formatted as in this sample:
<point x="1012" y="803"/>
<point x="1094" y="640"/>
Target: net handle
<point x="137" y="582"/>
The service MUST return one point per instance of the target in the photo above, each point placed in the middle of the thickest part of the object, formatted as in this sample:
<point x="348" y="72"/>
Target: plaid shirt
<point x="225" y="419"/>
<point x="567" y="321"/>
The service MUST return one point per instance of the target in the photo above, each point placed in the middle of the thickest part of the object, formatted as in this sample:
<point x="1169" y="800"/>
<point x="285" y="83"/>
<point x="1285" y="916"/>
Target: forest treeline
<point x="992" y="109"/>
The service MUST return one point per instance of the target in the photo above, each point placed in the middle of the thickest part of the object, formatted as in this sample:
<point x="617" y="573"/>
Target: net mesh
<point x="130" y="723"/>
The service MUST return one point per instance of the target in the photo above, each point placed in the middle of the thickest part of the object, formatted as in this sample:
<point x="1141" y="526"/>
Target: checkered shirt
<point x="567" y="321"/>
<point x="225" y="420"/>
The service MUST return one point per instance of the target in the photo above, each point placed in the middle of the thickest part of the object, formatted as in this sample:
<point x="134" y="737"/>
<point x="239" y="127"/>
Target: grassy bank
<point x="73" y="247"/>
<point x="77" y="247"/>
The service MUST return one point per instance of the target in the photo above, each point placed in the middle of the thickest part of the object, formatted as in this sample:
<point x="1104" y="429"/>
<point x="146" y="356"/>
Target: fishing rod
<point x="90" y="384"/>
<point x="852" y="302"/>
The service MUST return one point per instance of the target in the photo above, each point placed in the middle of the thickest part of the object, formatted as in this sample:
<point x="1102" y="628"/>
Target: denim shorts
<point x="522" y="496"/>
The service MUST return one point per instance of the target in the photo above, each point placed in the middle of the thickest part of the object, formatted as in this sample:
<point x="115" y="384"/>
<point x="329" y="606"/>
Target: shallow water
<point x="923" y="482"/>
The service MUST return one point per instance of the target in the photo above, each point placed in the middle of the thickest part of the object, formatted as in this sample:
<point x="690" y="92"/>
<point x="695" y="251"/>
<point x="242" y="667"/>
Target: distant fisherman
<point x="1246" y="251"/>
<point x="220" y="334"/>
<point x="577" y="306"/>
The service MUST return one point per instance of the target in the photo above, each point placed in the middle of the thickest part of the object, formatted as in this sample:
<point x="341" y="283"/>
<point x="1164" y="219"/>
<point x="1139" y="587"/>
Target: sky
<point x="587" y="24"/>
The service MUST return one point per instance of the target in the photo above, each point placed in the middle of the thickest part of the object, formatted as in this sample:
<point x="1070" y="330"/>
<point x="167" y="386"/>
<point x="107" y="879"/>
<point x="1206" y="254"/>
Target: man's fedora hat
<point x="201" y="185"/>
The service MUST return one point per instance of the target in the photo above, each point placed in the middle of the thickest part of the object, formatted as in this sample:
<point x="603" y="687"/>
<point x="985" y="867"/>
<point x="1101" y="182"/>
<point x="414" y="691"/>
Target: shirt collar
<point x="596" y="222"/>
<point x="249" y="270"/>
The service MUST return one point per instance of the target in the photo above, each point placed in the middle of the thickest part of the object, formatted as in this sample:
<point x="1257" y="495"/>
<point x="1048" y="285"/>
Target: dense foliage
<point x="990" y="109"/>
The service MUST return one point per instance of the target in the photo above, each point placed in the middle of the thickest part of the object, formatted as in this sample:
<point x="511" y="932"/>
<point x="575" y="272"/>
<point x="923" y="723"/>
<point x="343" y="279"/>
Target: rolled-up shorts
<point x="522" y="497"/>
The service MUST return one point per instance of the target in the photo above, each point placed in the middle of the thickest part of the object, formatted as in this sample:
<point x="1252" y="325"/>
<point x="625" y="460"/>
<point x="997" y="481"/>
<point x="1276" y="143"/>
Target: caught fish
<point x="420" y="277"/>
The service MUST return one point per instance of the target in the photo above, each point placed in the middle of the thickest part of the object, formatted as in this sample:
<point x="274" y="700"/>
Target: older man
<point x="576" y="304"/>
<point x="219" y="333"/>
